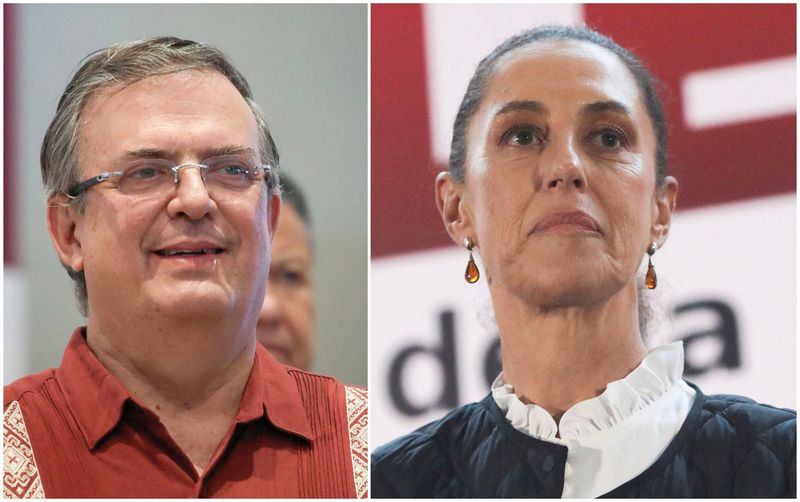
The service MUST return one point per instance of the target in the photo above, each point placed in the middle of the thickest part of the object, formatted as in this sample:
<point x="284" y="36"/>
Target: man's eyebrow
<point x="229" y="150"/>
<point x="607" y="106"/>
<point x="291" y="260"/>
<point x="528" y="105"/>
<point x="144" y="153"/>
<point x="160" y="153"/>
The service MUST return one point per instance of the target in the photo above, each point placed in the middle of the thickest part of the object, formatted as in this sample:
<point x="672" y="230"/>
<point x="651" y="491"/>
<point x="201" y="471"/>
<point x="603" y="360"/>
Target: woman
<point x="558" y="178"/>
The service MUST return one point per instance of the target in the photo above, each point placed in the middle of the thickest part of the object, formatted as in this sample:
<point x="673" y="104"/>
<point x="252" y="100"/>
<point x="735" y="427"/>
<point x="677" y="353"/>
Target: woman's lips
<point x="567" y="222"/>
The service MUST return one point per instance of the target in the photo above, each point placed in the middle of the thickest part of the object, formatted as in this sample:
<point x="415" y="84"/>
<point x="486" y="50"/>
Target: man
<point x="286" y="324"/>
<point x="163" y="197"/>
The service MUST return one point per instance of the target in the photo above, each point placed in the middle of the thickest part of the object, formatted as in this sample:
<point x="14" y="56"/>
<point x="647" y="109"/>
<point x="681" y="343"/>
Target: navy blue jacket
<point x="729" y="446"/>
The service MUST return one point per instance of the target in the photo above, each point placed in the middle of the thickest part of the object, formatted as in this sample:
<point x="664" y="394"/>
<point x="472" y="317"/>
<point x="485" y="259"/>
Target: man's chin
<point x="193" y="301"/>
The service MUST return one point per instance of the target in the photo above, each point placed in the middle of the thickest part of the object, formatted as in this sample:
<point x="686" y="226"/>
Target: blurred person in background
<point x="558" y="178"/>
<point x="163" y="197"/>
<point x="286" y="323"/>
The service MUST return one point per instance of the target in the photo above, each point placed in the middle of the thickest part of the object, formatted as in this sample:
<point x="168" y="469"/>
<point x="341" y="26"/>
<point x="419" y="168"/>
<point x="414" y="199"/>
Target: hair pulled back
<point x="486" y="68"/>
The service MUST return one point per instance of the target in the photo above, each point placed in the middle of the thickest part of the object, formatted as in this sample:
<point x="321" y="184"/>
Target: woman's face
<point x="560" y="192"/>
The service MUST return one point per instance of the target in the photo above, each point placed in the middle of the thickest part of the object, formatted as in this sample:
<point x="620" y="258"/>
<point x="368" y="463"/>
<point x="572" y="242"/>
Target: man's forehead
<point x="145" y="86"/>
<point x="182" y="112"/>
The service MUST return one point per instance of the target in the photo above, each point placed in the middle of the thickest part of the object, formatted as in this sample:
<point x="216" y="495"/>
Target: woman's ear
<point x="666" y="196"/>
<point x="454" y="209"/>
<point x="62" y="222"/>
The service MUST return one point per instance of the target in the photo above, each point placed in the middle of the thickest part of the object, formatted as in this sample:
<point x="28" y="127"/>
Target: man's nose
<point x="191" y="195"/>
<point x="271" y="310"/>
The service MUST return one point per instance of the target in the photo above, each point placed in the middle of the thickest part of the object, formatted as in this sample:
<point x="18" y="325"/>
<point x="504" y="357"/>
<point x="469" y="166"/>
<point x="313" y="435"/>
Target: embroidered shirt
<point x="646" y="408"/>
<point x="76" y="432"/>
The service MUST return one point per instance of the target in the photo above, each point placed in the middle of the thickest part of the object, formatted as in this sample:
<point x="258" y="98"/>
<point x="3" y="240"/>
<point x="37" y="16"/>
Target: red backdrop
<point x="720" y="164"/>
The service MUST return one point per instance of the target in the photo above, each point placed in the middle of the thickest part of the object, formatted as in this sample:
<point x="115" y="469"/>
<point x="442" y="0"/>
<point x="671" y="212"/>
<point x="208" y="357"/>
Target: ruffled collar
<point x="658" y="372"/>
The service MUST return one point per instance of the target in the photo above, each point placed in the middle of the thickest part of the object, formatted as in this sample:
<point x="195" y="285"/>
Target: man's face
<point x="125" y="244"/>
<point x="286" y="324"/>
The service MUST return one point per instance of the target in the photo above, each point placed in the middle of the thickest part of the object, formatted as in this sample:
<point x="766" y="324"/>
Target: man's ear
<point x="455" y="212"/>
<point x="274" y="212"/>
<point x="666" y="197"/>
<point x="62" y="222"/>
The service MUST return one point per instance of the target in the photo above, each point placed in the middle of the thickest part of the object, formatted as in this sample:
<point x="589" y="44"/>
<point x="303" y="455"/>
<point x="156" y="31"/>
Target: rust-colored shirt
<point x="76" y="432"/>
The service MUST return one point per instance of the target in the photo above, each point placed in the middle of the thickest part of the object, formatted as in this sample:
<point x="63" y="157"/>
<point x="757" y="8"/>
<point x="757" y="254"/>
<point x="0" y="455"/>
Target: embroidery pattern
<point x="357" y="427"/>
<point x="20" y="474"/>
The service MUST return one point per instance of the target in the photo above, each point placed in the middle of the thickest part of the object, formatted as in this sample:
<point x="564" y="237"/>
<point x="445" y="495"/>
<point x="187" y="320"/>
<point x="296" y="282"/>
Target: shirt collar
<point x="97" y="399"/>
<point x="94" y="396"/>
<point x="615" y="436"/>
<point x="658" y="372"/>
<point x="271" y="392"/>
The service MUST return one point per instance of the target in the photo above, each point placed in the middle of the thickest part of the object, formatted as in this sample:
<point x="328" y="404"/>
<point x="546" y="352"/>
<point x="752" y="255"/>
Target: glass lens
<point x="150" y="176"/>
<point x="232" y="171"/>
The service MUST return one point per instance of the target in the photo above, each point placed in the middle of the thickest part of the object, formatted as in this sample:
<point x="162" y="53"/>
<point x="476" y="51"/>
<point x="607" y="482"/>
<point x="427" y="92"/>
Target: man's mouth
<point x="188" y="252"/>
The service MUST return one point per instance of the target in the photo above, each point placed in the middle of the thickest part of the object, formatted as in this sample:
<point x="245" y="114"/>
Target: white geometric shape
<point x="740" y="93"/>
<point x="457" y="37"/>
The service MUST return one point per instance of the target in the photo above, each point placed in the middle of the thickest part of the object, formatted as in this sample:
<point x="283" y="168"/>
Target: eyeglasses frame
<point x="78" y="189"/>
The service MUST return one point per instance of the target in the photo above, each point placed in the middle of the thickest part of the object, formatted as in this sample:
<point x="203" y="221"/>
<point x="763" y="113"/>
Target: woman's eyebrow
<point x="539" y="107"/>
<point x="606" y="106"/>
<point x="528" y="105"/>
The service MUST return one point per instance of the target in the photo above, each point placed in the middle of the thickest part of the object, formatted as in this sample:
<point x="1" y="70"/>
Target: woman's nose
<point x="562" y="167"/>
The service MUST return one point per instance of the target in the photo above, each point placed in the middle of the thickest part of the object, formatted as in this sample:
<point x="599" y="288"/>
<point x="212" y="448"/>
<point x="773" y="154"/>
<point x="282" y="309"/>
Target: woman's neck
<point x="557" y="357"/>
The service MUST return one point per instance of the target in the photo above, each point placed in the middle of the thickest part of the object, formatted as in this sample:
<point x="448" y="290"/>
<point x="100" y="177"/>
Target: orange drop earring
<point x="650" y="279"/>
<point x="472" y="274"/>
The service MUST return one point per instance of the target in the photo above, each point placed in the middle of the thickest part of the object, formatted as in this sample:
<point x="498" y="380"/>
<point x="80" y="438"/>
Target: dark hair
<point x="484" y="73"/>
<point x="292" y="195"/>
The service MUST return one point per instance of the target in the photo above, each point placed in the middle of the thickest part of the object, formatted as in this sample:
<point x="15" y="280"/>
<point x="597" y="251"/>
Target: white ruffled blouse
<point x="615" y="436"/>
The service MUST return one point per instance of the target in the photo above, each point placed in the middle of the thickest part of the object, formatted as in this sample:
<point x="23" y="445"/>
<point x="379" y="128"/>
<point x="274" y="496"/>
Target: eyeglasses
<point x="155" y="177"/>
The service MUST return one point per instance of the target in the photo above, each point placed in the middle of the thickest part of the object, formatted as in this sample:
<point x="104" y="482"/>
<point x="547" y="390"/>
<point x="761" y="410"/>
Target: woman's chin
<point x="564" y="288"/>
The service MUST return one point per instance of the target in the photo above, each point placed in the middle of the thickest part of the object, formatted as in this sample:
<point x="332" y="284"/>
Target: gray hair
<point x="122" y="65"/>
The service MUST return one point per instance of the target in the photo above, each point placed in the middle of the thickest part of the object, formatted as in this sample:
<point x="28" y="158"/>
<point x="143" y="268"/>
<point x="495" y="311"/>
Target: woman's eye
<point x="610" y="139"/>
<point x="522" y="136"/>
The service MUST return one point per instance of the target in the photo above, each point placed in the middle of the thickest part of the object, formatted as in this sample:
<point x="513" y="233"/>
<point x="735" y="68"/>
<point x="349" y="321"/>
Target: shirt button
<point x="548" y="464"/>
